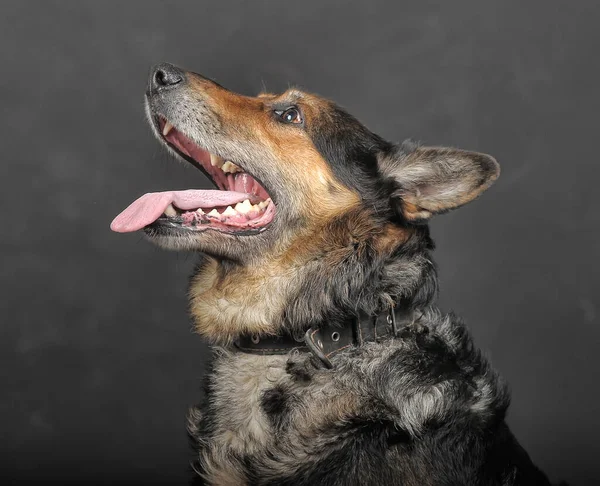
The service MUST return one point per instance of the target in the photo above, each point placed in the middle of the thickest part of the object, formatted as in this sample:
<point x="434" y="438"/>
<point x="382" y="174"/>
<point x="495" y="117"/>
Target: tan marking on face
<point x="300" y="166"/>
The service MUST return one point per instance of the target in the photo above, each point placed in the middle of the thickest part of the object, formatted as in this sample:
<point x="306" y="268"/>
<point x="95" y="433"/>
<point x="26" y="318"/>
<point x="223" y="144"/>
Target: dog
<point x="316" y="288"/>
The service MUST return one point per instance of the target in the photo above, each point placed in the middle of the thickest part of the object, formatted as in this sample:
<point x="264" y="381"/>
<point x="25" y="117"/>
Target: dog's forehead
<point x="293" y="96"/>
<point x="289" y="94"/>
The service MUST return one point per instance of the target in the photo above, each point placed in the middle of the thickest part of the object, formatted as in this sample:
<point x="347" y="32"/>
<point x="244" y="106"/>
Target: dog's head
<point x="303" y="190"/>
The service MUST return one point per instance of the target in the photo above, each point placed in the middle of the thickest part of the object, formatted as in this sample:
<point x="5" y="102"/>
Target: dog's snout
<point x="164" y="76"/>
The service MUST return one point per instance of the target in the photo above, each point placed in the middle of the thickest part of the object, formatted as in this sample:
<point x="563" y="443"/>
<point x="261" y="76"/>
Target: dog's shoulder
<point x="430" y="373"/>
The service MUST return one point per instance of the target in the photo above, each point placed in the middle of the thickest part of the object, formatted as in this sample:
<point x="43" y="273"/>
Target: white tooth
<point x="262" y="204"/>
<point x="229" y="211"/>
<point x="243" y="207"/>
<point x="199" y="211"/>
<point x="167" y="128"/>
<point x="215" y="160"/>
<point x="214" y="212"/>
<point x="170" y="211"/>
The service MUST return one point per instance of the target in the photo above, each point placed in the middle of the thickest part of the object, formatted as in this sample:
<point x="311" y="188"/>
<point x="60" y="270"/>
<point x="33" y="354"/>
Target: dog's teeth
<point x="229" y="167"/>
<point x="216" y="161"/>
<point x="243" y="207"/>
<point x="214" y="213"/>
<point x="170" y="211"/>
<point x="229" y="211"/>
<point x="167" y="128"/>
<point x="264" y="204"/>
<point x="199" y="211"/>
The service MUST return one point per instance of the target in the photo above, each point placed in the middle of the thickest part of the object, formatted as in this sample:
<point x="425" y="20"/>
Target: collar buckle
<point x="325" y="341"/>
<point x="314" y="343"/>
<point x="391" y="318"/>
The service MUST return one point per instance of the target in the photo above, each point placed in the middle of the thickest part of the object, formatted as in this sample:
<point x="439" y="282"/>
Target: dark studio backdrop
<point x="98" y="361"/>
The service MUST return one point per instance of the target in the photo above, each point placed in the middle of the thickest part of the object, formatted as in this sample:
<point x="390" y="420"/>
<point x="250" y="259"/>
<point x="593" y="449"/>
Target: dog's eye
<point x="291" y="115"/>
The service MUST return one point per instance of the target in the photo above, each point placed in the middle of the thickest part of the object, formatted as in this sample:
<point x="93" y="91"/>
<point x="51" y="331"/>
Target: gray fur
<point x="432" y="374"/>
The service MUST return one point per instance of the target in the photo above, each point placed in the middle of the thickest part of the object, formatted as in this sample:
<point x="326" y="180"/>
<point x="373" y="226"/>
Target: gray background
<point x="98" y="361"/>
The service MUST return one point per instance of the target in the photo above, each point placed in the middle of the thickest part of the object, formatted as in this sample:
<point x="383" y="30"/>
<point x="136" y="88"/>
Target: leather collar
<point x="326" y="341"/>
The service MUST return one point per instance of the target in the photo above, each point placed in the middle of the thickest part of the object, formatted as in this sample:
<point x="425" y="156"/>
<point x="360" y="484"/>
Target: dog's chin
<point x="210" y="242"/>
<point x="174" y="243"/>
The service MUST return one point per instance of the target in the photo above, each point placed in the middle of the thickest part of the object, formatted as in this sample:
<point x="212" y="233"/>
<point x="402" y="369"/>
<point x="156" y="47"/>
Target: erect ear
<point x="431" y="180"/>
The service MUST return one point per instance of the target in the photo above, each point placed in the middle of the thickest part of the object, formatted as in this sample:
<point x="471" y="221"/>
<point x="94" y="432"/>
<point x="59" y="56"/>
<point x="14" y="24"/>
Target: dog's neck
<point x="228" y="301"/>
<point x="327" y="274"/>
<point x="326" y="340"/>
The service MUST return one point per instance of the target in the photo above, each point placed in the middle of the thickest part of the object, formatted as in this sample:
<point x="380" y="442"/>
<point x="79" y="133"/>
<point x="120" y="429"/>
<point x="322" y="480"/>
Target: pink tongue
<point x="149" y="207"/>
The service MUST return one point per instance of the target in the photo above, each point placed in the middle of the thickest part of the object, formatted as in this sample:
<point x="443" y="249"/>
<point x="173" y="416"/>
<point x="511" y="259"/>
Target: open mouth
<point x="239" y="205"/>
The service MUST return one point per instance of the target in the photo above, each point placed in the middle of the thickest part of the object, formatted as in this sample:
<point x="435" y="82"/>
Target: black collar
<point x="326" y="341"/>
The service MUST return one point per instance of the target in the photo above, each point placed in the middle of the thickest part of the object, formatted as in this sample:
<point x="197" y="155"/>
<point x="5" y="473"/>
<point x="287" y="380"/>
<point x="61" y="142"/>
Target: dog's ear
<point x="432" y="180"/>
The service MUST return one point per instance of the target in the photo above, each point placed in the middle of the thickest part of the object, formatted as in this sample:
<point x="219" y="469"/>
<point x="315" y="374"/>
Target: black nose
<point x="164" y="76"/>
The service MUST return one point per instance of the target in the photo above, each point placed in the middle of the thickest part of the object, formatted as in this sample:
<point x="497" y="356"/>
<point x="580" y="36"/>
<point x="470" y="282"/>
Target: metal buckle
<point x="315" y="349"/>
<point x="393" y="319"/>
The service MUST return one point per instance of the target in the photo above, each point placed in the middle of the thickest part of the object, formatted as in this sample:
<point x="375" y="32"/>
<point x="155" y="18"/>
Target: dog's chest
<point x="256" y="403"/>
<point x="239" y="385"/>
